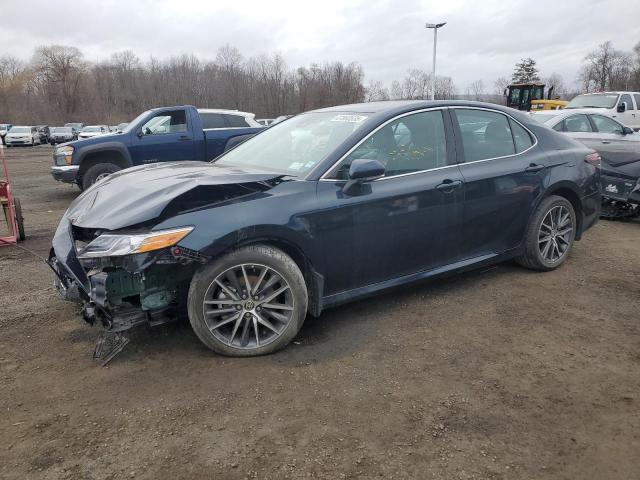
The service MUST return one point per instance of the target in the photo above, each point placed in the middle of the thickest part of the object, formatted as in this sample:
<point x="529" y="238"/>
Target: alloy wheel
<point x="101" y="176"/>
<point x="248" y="306"/>
<point x="555" y="234"/>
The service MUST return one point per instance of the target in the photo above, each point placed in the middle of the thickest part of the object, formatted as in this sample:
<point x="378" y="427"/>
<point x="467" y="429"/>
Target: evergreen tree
<point x="525" y="71"/>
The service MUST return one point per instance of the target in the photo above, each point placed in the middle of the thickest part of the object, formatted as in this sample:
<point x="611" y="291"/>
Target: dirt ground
<point x="498" y="374"/>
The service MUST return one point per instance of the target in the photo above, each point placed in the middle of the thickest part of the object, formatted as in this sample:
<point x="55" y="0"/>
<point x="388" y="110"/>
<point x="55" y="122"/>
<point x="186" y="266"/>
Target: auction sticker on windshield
<point x="349" y="118"/>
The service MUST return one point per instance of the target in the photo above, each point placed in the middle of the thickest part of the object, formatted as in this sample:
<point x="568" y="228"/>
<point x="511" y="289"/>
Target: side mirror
<point x="627" y="130"/>
<point x="139" y="134"/>
<point x="362" y="170"/>
<point x="622" y="107"/>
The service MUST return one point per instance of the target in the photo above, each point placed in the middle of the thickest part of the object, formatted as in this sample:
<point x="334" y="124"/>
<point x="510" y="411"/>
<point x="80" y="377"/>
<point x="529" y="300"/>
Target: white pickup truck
<point x="623" y="106"/>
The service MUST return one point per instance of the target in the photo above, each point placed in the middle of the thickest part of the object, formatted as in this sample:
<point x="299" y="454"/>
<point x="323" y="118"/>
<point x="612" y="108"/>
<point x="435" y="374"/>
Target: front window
<point x="606" y="125"/>
<point x="166" y="122"/>
<point x="594" y="100"/>
<point x="626" y="98"/>
<point x="296" y="146"/>
<point x="412" y="143"/>
<point x="537" y="93"/>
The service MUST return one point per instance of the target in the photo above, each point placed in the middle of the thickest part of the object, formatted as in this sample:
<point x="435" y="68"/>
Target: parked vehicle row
<point x="324" y="208"/>
<point x="158" y="135"/>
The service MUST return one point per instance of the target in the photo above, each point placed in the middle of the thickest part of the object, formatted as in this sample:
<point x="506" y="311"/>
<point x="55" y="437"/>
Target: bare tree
<point x="605" y="68"/>
<point x="58" y="73"/>
<point x="476" y="90"/>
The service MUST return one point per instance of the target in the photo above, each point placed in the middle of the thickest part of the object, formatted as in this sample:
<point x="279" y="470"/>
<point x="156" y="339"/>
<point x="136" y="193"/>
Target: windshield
<point x="544" y="117"/>
<point x="296" y="145"/>
<point x="20" y="130"/>
<point x="594" y="100"/>
<point x="91" y="129"/>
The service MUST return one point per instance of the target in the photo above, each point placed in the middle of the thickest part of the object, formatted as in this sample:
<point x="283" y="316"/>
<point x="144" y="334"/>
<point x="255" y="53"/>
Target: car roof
<point x="395" y="107"/>
<point x="226" y="112"/>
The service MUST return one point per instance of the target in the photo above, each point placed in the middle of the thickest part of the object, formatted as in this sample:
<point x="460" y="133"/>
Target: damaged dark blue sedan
<point x="326" y="207"/>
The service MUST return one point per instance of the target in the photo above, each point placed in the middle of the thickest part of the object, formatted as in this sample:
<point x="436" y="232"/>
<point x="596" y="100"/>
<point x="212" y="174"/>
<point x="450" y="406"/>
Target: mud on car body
<point x="326" y="207"/>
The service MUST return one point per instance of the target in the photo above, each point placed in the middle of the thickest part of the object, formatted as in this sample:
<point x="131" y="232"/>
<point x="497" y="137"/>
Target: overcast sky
<point x="482" y="40"/>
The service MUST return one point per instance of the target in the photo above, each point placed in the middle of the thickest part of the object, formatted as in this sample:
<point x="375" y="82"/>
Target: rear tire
<point x="255" y="322"/>
<point x="97" y="172"/>
<point x="550" y="235"/>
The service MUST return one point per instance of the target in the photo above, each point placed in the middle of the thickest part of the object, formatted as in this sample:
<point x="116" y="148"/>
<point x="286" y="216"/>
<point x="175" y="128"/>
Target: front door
<point x="164" y="137"/>
<point x="504" y="175"/>
<point x="406" y="222"/>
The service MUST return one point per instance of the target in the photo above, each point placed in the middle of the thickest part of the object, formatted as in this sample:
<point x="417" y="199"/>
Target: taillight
<point x="593" y="159"/>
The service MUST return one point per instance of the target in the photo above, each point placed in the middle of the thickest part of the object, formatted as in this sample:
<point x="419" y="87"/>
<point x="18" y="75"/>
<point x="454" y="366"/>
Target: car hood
<point x="84" y="142"/>
<point x="13" y="135"/>
<point x="139" y="195"/>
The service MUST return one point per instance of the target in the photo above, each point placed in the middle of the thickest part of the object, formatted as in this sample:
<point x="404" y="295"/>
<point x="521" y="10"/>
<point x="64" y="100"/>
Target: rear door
<point x="406" y="222"/>
<point x="166" y="136"/>
<point x="504" y="174"/>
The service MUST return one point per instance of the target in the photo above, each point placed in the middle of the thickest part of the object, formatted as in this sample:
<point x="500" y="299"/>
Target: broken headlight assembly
<point x="115" y="245"/>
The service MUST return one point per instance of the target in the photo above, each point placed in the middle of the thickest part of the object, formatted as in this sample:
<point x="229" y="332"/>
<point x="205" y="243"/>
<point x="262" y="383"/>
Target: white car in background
<point x="592" y="127"/>
<point x="622" y="106"/>
<point x="22" y="135"/>
<point x="93" y="131"/>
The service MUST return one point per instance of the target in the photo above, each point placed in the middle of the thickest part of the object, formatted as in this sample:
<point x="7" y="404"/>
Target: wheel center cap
<point x="249" y="305"/>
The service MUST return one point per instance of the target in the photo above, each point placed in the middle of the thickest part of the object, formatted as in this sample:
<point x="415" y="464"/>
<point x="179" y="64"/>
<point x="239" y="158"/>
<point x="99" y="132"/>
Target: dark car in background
<point x="159" y="135"/>
<point x="327" y="207"/>
<point x="44" y="131"/>
<point x="61" y="135"/>
<point x="76" y="127"/>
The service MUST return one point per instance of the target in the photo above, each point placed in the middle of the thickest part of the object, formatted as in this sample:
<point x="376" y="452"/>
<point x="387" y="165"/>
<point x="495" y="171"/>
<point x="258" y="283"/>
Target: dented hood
<point x="140" y="194"/>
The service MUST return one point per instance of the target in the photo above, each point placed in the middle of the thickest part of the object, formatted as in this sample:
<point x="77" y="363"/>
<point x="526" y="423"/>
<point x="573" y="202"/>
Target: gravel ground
<point x="501" y="373"/>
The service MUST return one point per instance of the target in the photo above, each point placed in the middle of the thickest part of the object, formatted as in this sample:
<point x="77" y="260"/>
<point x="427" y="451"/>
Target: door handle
<point x="534" y="167"/>
<point x="183" y="138"/>
<point x="448" y="186"/>
<point x="606" y="141"/>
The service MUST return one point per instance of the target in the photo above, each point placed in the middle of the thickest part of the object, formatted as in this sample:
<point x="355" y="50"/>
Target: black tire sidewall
<point x="93" y="172"/>
<point x="258" y="254"/>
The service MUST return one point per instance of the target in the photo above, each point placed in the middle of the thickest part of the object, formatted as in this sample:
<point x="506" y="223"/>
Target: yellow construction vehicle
<point x="530" y="96"/>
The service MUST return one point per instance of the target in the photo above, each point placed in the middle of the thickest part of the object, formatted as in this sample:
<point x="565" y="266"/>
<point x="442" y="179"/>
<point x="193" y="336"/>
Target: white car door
<point x="628" y="117"/>
<point x="612" y="137"/>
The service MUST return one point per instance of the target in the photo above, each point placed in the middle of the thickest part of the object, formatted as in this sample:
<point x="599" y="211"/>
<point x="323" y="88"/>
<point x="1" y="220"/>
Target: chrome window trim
<point x="324" y="178"/>
<point x="535" y="142"/>
<point x="227" y="128"/>
<point x="453" y="107"/>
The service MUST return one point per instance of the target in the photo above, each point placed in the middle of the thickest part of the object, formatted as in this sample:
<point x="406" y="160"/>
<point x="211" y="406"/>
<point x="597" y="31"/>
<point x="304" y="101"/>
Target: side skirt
<point x="447" y="270"/>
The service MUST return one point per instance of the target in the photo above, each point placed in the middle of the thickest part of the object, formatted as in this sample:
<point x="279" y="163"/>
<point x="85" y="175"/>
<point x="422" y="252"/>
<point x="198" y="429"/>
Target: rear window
<point x="485" y="134"/>
<point x="521" y="137"/>
<point x="236" y="121"/>
<point x="212" y="120"/>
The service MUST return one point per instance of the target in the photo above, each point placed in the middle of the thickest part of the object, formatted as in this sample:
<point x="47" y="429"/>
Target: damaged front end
<point x="124" y="280"/>
<point x="620" y="197"/>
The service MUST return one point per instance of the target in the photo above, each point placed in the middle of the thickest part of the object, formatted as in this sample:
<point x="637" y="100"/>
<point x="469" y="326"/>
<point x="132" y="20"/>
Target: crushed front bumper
<point x="122" y="292"/>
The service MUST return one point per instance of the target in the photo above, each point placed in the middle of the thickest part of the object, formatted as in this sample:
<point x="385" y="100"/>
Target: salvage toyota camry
<point x="326" y="207"/>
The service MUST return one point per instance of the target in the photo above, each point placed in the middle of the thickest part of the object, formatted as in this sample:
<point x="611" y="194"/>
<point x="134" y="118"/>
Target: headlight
<point x="66" y="152"/>
<point x="111" y="245"/>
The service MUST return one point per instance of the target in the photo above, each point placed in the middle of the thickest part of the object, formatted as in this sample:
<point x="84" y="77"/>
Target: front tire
<point x="249" y="302"/>
<point x="550" y="235"/>
<point x="96" y="173"/>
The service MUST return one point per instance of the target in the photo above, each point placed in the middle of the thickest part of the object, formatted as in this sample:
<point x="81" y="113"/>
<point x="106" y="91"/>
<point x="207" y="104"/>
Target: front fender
<point x="106" y="147"/>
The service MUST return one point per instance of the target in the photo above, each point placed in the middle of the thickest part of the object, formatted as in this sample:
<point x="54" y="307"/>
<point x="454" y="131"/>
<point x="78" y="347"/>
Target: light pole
<point x="435" y="27"/>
